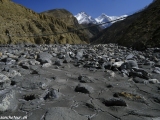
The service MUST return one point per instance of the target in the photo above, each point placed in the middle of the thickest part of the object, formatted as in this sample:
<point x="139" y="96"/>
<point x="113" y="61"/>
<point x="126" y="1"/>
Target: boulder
<point x="128" y="64"/>
<point x="34" y="62"/>
<point x="12" y="56"/>
<point x="46" y="65"/>
<point x="138" y="80"/>
<point x="58" y="62"/>
<point x="138" y="72"/>
<point x="148" y="62"/>
<point x="4" y="81"/>
<point x="107" y="65"/>
<point x="67" y="59"/>
<point x="6" y="68"/>
<point x="61" y="56"/>
<point x="10" y="61"/>
<point x="52" y="94"/>
<point x="8" y="100"/>
<point x="153" y="81"/>
<point x="79" y="54"/>
<point x="156" y="70"/>
<point x="13" y="73"/>
<point x="117" y="64"/>
<point x="25" y="65"/>
<point x="44" y="57"/>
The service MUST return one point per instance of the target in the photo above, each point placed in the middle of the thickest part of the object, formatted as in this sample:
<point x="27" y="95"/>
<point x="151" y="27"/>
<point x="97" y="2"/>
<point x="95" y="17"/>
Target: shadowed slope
<point x="139" y="31"/>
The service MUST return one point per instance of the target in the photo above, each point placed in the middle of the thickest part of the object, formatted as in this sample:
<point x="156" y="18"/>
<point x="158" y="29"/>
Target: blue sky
<point x="92" y="7"/>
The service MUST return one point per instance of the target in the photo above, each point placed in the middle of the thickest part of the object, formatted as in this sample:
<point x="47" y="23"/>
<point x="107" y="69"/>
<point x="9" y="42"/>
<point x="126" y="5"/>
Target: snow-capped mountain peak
<point x="84" y="18"/>
<point x="103" y="17"/>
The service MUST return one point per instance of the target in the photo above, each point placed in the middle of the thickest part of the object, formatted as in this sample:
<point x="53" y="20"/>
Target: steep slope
<point x="69" y="19"/>
<point x="139" y="31"/>
<point x="19" y="22"/>
<point x="63" y="15"/>
<point x="92" y="28"/>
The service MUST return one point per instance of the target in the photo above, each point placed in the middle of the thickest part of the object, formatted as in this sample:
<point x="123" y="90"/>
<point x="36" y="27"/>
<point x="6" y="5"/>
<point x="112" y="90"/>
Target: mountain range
<point x="84" y="18"/>
<point x="139" y="31"/>
<point x="22" y="25"/>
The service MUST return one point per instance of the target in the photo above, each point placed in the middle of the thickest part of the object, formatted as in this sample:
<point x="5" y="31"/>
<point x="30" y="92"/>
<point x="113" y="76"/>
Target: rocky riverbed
<point x="79" y="82"/>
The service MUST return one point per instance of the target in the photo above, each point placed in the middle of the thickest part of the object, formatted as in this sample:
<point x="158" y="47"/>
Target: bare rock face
<point x="62" y="113"/>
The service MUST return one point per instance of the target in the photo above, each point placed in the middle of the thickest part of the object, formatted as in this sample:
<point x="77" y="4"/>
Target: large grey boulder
<point x="52" y="94"/>
<point x="67" y="58"/>
<point x="118" y="64"/>
<point x="10" y="61"/>
<point x="129" y="64"/>
<point x="8" y="100"/>
<point x="45" y="65"/>
<point x="33" y="62"/>
<point x="79" y="54"/>
<point x="4" y="81"/>
<point x="58" y="62"/>
<point x="138" y="72"/>
<point x="156" y="70"/>
<point x="25" y="65"/>
<point x="44" y="57"/>
<point x="13" y="73"/>
<point x="12" y="56"/>
<point x="62" y="113"/>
